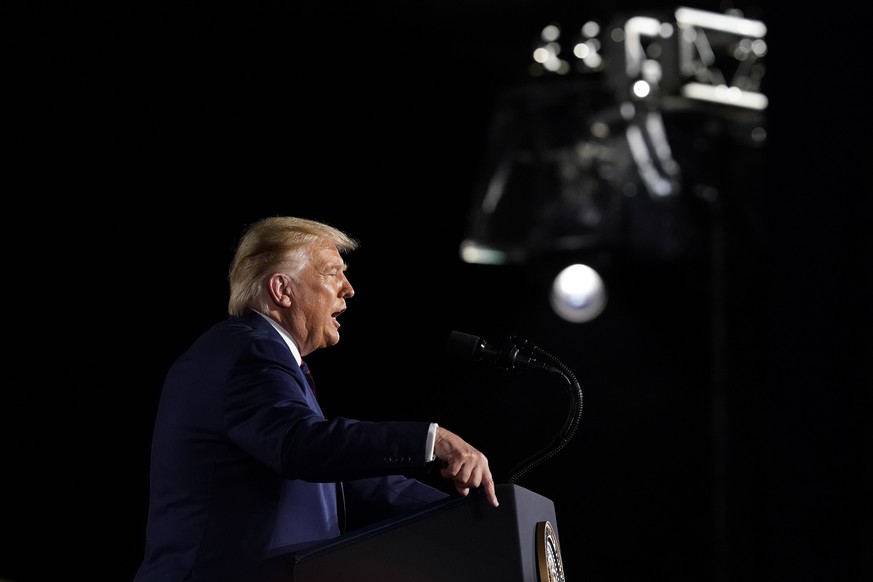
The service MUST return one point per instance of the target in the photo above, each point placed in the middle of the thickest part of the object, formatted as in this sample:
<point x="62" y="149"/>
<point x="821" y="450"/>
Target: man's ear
<point x="279" y="288"/>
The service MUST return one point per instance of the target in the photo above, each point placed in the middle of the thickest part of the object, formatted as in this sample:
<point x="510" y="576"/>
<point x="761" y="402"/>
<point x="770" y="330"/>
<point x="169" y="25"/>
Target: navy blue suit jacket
<point x="245" y="466"/>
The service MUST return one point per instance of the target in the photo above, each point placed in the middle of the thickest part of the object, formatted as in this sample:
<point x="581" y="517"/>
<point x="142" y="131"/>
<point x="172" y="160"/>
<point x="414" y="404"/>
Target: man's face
<point x="319" y="297"/>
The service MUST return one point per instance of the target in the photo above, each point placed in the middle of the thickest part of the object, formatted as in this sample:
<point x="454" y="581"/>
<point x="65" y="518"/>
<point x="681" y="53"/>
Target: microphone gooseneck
<point x="517" y="352"/>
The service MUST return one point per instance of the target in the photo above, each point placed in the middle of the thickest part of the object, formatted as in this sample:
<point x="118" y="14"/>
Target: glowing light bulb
<point x="578" y="294"/>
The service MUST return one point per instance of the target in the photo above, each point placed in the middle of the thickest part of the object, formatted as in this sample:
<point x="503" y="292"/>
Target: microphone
<point x="471" y="347"/>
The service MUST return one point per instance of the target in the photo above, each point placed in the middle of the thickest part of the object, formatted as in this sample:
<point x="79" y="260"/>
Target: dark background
<point x="142" y="138"/>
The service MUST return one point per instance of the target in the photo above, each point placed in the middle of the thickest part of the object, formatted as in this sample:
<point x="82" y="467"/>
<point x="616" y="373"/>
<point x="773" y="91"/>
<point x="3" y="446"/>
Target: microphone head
<point x="464" y="345"/>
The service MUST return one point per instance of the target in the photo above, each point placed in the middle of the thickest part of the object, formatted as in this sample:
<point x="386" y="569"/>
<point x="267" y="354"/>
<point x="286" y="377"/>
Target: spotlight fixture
<point x="607" y="144"/>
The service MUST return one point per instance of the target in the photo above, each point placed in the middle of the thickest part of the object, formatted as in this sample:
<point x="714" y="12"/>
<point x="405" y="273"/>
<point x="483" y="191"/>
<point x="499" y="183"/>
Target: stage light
<point x="615" y="144"/>
<point x="578" y="293"/>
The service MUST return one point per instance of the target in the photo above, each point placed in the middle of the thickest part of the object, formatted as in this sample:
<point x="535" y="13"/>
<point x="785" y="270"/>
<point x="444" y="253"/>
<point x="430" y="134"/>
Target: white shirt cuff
<point x="431" y="440"/>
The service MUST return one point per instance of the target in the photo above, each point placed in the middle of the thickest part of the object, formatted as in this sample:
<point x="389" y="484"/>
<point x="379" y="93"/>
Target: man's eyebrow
<point x="342" y="266"/>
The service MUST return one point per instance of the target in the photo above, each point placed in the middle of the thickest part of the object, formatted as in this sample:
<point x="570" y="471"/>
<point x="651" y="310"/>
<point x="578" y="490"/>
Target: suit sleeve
<point x="269" y="412"/>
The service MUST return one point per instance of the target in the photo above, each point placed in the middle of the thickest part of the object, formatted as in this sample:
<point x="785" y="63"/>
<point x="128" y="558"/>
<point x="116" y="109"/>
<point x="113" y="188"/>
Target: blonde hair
<point x="270" y="243"/>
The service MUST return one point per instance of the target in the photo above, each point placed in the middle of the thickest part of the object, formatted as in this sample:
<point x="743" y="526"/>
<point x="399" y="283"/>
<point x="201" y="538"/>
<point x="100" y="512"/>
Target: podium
<point x="460" y="540"/>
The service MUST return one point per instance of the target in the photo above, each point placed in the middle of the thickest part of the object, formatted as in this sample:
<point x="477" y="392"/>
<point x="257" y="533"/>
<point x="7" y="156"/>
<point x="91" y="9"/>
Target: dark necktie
<point x="308" y="374"/>
<point x="340" y="491"/>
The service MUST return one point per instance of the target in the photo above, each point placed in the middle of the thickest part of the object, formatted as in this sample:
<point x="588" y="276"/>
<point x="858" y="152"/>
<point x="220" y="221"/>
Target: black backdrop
<point x="143" y="138"/>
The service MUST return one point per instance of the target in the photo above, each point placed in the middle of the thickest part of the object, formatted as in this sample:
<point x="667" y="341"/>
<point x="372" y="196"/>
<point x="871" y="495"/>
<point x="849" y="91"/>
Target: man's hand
<point x="463" y="464"/>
